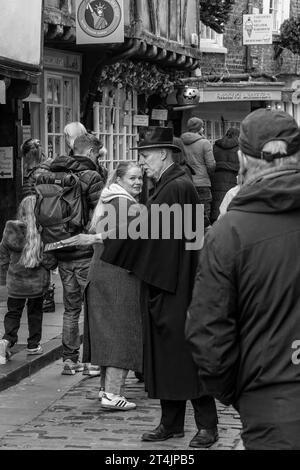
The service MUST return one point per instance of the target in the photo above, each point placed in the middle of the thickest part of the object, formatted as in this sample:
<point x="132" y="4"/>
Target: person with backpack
<point x="25" y="270"/>
<point x="67" y="196"/>
<point x="35" y="163"/>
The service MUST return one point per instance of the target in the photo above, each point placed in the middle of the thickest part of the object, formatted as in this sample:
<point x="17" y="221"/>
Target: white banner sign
<point x="141" y="120"/>
<point x="6" y="162"/>
<point x="99" y="21"/>
<point x="159" y="114"/>
<point x="2" y="92"/>
<point x="257" y="29"/>
<point x="21" y="28"/>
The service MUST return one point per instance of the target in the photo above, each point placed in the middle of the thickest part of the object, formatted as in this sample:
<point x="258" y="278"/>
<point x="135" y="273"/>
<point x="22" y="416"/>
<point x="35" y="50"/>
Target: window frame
<point x="74" y="106"/>
<point x="113" y="134"/>
<point x="215" y="130"/>
<point x="215" y="44"/>
<point x="284" y="11"/>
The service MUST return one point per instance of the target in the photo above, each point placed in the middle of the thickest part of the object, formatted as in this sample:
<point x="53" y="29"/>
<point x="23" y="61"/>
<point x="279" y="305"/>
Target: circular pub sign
<point x="99" y="18"/>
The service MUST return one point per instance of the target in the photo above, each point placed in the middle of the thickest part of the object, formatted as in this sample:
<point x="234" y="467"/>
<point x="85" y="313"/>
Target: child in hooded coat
<point x="25" y="270"/>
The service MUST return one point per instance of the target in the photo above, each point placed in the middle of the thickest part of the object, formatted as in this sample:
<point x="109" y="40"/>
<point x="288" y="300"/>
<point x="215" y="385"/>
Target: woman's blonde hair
<point x="119" y="172"/>
<point x="32" y="253"/>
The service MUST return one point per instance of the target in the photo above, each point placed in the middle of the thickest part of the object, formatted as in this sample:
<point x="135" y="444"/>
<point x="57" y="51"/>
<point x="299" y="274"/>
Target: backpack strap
<point x="37" y="208"/>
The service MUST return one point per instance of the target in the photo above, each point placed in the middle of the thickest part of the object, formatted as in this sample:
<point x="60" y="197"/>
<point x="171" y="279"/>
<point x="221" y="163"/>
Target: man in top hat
<point x="243" y="324"/>
<point x="167" y="268"/>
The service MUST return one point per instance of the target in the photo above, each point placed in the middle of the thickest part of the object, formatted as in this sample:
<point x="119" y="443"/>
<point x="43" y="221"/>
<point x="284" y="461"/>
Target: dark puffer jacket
<point x="227" y="167"/>
<point x="244" y="318"/>
<point x="92" y="184"/>
<point x="22" y="282"/>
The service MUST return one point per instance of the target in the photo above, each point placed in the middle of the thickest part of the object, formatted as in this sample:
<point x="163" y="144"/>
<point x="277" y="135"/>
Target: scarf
<point x="108" y="194"/>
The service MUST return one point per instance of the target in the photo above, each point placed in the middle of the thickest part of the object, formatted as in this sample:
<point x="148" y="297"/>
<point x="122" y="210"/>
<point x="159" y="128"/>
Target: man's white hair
<point x="255" y="166"/>
<point x="72" y="131"/>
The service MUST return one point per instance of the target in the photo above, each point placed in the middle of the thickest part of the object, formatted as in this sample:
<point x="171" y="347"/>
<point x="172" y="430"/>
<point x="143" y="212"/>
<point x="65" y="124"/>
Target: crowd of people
<point x="218" y="322"/>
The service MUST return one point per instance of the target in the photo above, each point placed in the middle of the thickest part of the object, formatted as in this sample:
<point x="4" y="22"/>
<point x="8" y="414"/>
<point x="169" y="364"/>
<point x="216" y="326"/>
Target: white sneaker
<point x="35" y="351"/>
<point x="115" y="402"/>
<point x="101" y="393"/>
<point x="3" y="351"/>
<point x="70" y="367"/>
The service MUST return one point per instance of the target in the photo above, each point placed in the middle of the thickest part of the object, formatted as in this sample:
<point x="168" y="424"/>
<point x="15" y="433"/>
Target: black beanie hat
<point x="263" y="126"/>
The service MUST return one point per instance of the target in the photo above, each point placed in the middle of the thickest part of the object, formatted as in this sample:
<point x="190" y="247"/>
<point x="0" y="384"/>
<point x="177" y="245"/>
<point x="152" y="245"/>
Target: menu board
<point x="6" y="162"/>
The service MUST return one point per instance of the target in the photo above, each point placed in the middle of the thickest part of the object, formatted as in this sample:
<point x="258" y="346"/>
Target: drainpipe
<point x="138" y="12"/>
<point x="248" y="50"/>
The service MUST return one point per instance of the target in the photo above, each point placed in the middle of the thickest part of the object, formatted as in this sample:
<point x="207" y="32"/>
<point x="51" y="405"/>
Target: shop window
<point x="279" y="9"/>
<point x="215" y="130"/>
<point x="210" y="41"/>
<point x="62" y="107"/>
<point x="113" y="124"/>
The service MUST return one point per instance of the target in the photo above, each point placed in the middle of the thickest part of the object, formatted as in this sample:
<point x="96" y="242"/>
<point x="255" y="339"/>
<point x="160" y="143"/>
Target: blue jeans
<point x="73" y="276"/>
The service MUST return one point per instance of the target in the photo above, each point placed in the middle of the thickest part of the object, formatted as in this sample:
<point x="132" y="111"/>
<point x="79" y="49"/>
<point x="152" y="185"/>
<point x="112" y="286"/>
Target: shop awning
<point x="15" y="72"/>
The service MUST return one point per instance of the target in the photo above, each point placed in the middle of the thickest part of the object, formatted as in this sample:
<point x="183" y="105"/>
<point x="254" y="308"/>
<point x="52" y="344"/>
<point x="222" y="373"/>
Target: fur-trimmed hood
<point x="14" y="235"/>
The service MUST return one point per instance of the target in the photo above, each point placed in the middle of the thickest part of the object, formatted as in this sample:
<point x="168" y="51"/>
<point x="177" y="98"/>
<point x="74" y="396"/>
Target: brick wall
<point x="262" y="57"/>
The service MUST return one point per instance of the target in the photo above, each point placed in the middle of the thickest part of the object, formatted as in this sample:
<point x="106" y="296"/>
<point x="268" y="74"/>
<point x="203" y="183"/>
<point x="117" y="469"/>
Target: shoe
<point x="48" y="302"/>
<point x="101" y="393"/>
<point x="70" y="367"/>
<point x="160" y="434"/>
<point x="3" y="351"/>
<point x="8" y="354"/>
<point x="205" y="438"/>
<point x="140" y="377"/>
<point x="92" y="371"/>
<point x="110" y="401"/>
<point x="35" y="351"/>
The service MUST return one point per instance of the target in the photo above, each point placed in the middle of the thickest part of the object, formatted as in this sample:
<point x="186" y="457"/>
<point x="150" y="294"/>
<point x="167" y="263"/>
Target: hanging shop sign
<point x="99" y="21"/>
<point x="6" y="163"/>
<point x="159" y="114"/>
<point x="21" y="33"/>
<point x="257" y="29"/>
<point x="2" y="92"/>
<point x="141" y="120"/>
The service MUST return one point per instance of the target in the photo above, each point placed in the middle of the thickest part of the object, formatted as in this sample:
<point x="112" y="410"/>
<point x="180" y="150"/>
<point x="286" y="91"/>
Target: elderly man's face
<point x="152" y="161"/>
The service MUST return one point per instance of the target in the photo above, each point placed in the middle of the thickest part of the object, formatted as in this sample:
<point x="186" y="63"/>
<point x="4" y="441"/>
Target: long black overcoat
<point x="167" y="269"/>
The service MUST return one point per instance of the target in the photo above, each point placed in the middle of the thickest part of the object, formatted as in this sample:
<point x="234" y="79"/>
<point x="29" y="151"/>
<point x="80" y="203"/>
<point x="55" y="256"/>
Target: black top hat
<point x="156" y="137"/>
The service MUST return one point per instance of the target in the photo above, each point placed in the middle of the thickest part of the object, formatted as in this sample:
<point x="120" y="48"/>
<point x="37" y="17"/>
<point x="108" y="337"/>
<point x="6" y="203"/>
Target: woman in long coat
<point x="227" y="167"/>
<point x="113" y="326"/>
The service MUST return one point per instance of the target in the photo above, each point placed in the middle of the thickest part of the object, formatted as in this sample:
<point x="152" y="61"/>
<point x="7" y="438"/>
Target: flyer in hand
<point x="58" y="245"/>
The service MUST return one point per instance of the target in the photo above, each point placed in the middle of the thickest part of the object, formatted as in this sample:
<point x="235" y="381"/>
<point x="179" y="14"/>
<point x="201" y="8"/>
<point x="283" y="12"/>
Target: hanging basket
<point x="142" y="77"/>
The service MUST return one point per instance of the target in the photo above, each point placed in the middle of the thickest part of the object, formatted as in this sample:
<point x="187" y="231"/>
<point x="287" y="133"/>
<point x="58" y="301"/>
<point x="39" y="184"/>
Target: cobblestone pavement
<point x="74" y="420"/>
